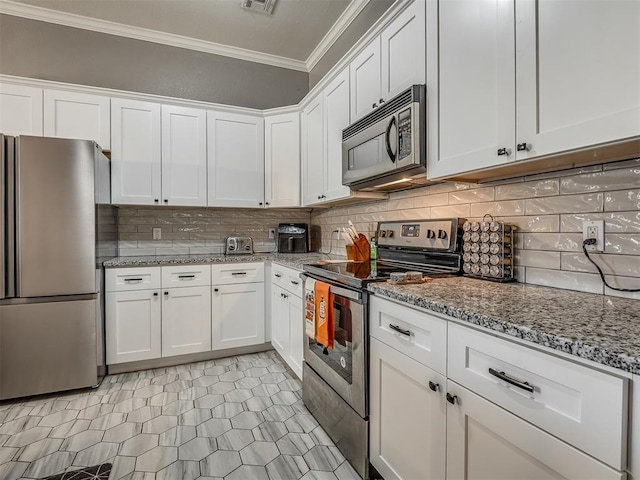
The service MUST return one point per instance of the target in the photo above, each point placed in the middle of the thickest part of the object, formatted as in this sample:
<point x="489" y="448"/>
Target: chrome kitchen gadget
<point x="239" y="246"/>
<point x="488" y="250"/>
<point x="335" y="381"/>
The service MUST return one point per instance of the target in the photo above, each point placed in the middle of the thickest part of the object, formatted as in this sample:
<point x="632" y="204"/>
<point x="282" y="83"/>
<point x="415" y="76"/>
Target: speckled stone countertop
<point x="293" y="260"/>
<point x="599" y="328"/>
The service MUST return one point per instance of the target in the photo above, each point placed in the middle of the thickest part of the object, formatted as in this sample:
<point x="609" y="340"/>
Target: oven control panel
<point x="439" y="235"/>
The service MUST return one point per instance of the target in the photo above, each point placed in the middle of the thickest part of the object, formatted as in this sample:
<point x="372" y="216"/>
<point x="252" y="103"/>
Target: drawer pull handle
<point x="400" y="330"/>
<point x="452" y="399"/>
<point x="277" y="275"/>
<point x="516" y="383"/>
<point x="238" y="274"/>
<point x="294" y="282"/>
<point x="434" y="386"/>
<point x="130" y="280"/>
<point x="186" y="276"/>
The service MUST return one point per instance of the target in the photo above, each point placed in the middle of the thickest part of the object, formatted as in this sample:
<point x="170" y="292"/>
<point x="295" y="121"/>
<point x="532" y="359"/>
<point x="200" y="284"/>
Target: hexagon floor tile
<point x="235" y="418"/>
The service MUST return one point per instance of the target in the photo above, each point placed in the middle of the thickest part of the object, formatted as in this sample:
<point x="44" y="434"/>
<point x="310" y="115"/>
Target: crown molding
<point x="348" y="16"/>
<point x="10" y="7"/>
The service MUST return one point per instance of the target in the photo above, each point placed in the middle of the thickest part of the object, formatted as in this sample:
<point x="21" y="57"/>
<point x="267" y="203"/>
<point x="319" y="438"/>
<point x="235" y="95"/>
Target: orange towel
<point x="324" y="314"/>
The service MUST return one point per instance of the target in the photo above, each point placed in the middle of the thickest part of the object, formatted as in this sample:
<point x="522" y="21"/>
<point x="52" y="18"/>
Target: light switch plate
<point x="157" y="233"/>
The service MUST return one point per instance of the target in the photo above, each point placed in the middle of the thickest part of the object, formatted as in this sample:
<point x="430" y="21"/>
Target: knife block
<point x="360" y="251"/>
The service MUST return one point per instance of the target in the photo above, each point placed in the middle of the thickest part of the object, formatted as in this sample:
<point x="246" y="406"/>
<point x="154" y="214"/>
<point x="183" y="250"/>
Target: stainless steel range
<point x="335" y="382"/>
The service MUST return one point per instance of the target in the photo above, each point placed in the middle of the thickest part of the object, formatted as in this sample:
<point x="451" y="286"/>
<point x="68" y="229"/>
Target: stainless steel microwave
<point x="386" y="149"/>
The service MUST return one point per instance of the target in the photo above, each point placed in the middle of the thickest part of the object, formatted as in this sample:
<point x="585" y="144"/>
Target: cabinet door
<point x="238" y="315"/>
<point x="476" y="85"/>
<point x="77" y="115"/>
<point x="132" y="326"/>
<point x="296" y="333"/>
<point x="186" y="320"/>
<point x="578" y="83"/>
<point x="403" y="51"/>
<point x="282" y="160"/>
<point x="407" y="418"/>
<point x="313" y="159"/>
<point x="279" y="321"/>
<point x="336" y="118"/>
<point x="20" y="110"/>
<point x="485" y="441"/>
<point x="135" y="152"/>
<point x="365" y="76"/>
<point x="184" y="156"/>
<point x="236" y="160"/>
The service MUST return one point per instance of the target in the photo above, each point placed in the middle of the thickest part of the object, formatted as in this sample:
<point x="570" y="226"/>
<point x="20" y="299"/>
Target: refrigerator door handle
<point x="3" y="231"/>
<point x="10" y="239"/>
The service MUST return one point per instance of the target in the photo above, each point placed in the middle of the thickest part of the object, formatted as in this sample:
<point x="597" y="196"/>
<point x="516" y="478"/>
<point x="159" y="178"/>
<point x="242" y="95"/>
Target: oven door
<point x="344" y="367"/>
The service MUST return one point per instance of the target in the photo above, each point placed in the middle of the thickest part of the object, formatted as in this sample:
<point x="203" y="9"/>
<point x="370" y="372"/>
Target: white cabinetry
<point x="20" y="110"/>
<point x="577" y="84"/>
<point x="391" y="63"/>
<point x="287" y="332"/>
<point x="77" y="115"/>
<point x="133" y="314"/>
<point x="235" y="160"/>
<point x="238" y="317"/>
<point x="313" y="158"/>
<point x="336" y="119"/>
<point x="282" y="160"/>
<point x="135" y="152"/>
<point x="186" y="320"/>
<point x="511" y="411"/>
<point x="184" y="156"/>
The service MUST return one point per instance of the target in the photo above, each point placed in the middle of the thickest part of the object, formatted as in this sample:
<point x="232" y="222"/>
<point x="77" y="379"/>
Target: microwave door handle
<point x="391" y="154"/>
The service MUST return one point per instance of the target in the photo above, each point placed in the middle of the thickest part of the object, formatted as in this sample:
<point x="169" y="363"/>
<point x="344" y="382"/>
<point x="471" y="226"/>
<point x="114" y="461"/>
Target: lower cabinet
<point x="133" y="325"/>
<point x="486" y="441"/>
<point x="407" y="416"/>
<point x="186" y="320"/>
<point x="287" y="320"/>
<point x="237" y="315"/>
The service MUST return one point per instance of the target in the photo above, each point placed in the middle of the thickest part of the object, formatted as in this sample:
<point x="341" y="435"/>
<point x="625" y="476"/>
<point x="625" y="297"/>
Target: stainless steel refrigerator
<point x="49" y="304"/>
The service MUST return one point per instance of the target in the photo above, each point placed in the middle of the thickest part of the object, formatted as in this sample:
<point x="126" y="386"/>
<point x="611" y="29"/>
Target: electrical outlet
<point x="594" y="229"/>
<point x="157" y="233"/>
<point x="272" y="233"/>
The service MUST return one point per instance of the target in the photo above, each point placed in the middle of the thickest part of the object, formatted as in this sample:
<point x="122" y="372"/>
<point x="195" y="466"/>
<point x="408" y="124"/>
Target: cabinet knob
<point x="266" y="203"/>
<point x="166" y="200"/>
<point x="260" y="203"/>
<point x="215" y="290"/>
<point x="155" y="294"/>
<point x="452" y="399"/>
<point x="156" y="200"/>
<point x="375" y="105"/>
<point x="381" y="100"/>
<point x="285" y="296"/>
<point x="523" y="147"/>
<point x="166" y="294"/>
<point x="434" y="386"/>
<point x="504" y="151"/>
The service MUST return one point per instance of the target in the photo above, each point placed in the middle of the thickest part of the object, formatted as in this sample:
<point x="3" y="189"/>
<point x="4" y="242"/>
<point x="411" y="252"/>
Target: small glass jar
<point x="484" y="259"/>
<point x="494" y="271"/>
<point x="466" y="226"/>
<point x="466" y="268"/>
<point x="484" y="226"/>
<point x="466" y="247"/>
<point x="475" y="269"/>
<point x="475" y="237"/>
<point x="485" y="270"/>
<point x="484" y="247"/>
<point x="475" y="247"/>
<point x="495" y="226"/>
<point x="494" y="237"/>
<point x="475" y="258"/>
<point x="495" y="260"/>
<point x="466" y="257"/>
<point x="495" y="248"/>
<point x="475" y="226"/>
<point x="466" y="236"/>
<point x="484" y="237"/>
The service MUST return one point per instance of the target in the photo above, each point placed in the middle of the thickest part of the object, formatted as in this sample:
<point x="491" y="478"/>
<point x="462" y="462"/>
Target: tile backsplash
<point x="548" y="211"/>
<point x="197" y="230"/>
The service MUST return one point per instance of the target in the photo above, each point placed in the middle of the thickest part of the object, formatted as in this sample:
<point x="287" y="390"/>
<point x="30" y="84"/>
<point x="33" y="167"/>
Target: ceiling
<point x="294" y="30"/>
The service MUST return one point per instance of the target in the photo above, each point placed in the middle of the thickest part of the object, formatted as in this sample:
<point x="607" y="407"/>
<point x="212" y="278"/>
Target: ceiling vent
<point x="261" y="6"/>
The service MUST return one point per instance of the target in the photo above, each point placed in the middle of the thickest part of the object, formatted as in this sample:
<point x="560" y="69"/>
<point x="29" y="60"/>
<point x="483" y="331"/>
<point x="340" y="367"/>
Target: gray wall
<point x="35" y="49"/>
<point x="369" y="15"/>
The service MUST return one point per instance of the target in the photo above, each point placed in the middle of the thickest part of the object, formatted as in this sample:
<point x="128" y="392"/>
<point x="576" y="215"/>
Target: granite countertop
<point x="599" y="328"/>
<point x="293" y="260"/>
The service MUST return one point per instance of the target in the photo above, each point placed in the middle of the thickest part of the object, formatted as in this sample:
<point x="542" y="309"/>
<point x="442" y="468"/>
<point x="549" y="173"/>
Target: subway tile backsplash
<point x="198" y="230"/>
<point x="548" y="210"/>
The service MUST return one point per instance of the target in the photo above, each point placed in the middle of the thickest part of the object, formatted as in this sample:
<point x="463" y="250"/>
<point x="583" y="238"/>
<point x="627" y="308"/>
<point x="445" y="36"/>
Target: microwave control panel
<point x="404" y="133"/>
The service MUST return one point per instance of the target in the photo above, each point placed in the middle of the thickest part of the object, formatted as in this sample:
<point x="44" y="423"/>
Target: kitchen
<point x="205" y="147"/>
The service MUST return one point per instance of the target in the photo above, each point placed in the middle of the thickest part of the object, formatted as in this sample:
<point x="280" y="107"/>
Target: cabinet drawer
<point x="585" y="407"/>
<point x="230" y="273"/>
<point x="287" y="278"/>
<point x="414" y="333"/>
<point x="186" y="276"/>
<point x="128" y="279"/>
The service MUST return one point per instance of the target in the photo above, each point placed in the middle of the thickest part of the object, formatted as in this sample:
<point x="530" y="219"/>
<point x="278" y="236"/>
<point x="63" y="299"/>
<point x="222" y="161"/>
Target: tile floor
<point x="237" y="418"/>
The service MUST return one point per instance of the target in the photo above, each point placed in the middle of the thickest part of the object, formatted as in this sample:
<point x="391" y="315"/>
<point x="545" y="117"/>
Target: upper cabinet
<point x="578" y="83"/>
<point x="235" y="159"/>
<point x="392" y="62"/>
<point x="313" y="164"/>
<point x="528" y="79"/>
<point x="184" y="156"/>
<point x="135" y="152"/>
<point x="282" y="160"/>
<point x="77" y="115"/>
<point x="20" y="110"/>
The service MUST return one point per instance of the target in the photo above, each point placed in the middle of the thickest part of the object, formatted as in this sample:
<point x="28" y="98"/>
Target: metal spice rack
<point x="488" y="250"/>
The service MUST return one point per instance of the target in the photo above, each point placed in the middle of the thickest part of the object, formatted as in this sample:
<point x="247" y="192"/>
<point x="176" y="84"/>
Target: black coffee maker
<point x="293" y="238"/>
